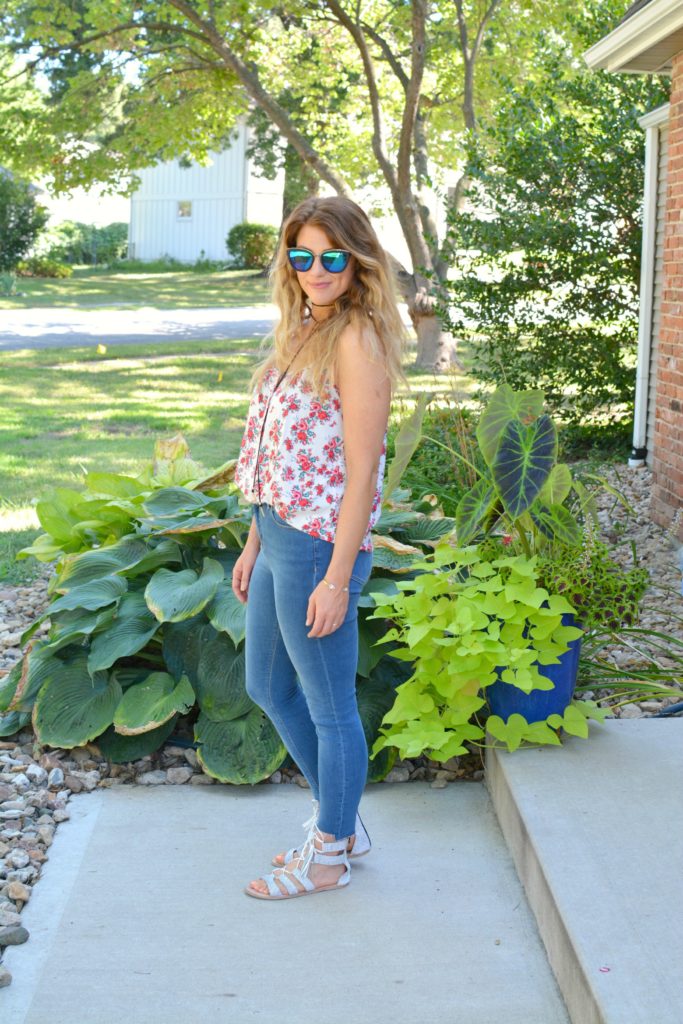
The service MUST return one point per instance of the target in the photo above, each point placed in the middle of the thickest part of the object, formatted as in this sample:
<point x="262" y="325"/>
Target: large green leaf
<point x="473" y="511"/>
<point x="557" y="522"/>
<point x="95" y="594"/>
<point x="119" y="749"/>
<point x="173" y="596"/>
<point x="169" y="501"/>
<point x="113" y="484"/>
<point x="558" y="485"/>
<point x="93" y="565"/>
<point x="72" y="626"/>
<point x="147" y="705"/>
<point x="405" y="443"/>
<point x="505" y="406"/>
<point x="13" y="721"/>
<point x="244" y="750"/>
<point x="9" y="686"/>
<point x="132" y="628"/>
<point x="101" y="510"/>
<point x="182" y="644"/>
<point x="72" y="707"/>
<point x="192" y="524"/>
<point x="220" y="683"/>
<point x="163" y="552"/>
<point x="523" y="462"/>
<point x="227" y="614"/>
<point x="56" y="513"/>
<point x="389" y="553"/>
<point x="38" y="664"/>
<point x="429" y="529"/>
<point x="219" y="478"/>
<point x="44" y="548"/>
<point x="392" y="519"/>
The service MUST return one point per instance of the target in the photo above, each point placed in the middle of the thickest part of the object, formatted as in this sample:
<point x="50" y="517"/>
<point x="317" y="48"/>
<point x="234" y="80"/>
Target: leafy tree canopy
<point x="548" y="251"/>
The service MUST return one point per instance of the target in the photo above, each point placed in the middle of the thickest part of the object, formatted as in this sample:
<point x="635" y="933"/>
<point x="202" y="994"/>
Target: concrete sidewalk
<point x="140" y="916"/>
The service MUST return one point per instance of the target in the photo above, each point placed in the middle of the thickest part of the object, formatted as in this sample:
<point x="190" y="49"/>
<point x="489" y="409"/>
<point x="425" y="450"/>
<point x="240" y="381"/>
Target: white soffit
<point x="646" y="42"/>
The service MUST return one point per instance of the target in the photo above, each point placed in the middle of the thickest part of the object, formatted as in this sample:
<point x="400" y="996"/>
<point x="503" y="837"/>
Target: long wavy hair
<point x="369" y="302"/>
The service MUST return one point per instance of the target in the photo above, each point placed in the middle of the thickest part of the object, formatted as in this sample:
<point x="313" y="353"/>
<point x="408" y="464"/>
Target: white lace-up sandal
<point x="296" y="880"/>
<point x="359" y="846"/>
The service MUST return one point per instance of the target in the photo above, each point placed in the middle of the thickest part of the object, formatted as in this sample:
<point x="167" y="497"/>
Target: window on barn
<point x="184" y="209"/>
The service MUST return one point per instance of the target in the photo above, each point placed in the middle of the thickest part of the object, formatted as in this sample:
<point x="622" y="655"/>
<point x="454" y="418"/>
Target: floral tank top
<point x="301" y="469"/>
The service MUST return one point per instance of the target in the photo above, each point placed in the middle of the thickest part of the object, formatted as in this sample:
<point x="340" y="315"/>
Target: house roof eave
<point x="646" y="41"/>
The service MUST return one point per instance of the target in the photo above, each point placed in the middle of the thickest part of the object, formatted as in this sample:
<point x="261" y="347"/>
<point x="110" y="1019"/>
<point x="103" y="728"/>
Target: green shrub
<point x="74" y="242"/>
<point x="21" y="221"/>
<point x="162" y="265"/>
<point x="548" y="245"/>
<point x="43" y="266"/>
<point x="252" y="245"/>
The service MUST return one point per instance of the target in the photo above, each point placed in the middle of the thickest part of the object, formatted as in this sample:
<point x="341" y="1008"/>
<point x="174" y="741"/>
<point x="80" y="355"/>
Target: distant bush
<point x="74" y="242"/>
<point x="169" y="264"/>
<point x="43" y="266"/>
<point x="203" y="265"/>
<point x="162" y="265"/>
<point x="252" y="245"/>
<point x="21" y="220"/>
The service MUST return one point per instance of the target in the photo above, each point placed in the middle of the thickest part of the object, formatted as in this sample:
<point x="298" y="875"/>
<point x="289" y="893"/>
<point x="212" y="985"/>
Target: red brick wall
<point x="667" y="454"/>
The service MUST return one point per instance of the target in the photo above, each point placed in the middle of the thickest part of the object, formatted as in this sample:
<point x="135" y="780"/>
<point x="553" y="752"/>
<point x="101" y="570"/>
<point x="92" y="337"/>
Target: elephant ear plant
<point x="520" y="579"/>
<point x="144" y="626"/>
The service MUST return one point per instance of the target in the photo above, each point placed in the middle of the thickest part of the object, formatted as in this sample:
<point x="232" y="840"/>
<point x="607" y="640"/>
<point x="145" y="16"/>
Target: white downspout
<point x="651" y="123"/>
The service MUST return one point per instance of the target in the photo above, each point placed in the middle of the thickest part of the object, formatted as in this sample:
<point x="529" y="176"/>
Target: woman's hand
<point x="326" y="610"/>
<point x="241" y="573"/>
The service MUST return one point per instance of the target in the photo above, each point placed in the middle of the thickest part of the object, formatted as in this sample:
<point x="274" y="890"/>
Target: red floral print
<point x="301" y="464"/>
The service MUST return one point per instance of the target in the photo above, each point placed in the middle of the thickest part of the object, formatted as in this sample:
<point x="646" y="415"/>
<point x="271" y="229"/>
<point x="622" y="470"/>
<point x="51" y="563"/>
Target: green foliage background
<point x="547" y="254"/>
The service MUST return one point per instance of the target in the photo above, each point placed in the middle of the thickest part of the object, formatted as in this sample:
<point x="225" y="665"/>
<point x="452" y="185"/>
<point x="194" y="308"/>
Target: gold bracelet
<point x="332" y="586"/>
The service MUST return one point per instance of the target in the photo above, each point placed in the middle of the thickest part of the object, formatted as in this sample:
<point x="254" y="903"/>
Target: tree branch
<point x="378" y="135"/>
<point x="390" y="57"/>
<point x="249" y="78"/>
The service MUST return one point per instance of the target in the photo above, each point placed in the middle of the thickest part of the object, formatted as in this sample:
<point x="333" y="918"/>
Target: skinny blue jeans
<point x="307" y="686"/>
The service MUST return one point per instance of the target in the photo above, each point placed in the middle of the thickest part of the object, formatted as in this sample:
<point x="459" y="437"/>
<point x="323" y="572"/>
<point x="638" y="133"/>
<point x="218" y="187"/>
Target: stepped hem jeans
<point x="307" y="686"/>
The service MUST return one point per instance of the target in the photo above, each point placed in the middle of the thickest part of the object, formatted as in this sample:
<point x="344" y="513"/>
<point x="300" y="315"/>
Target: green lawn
<point x="69" y="411"/>
<point x="93" y="288"/>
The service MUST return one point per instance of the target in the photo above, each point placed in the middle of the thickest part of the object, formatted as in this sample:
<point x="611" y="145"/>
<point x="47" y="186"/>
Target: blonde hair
<point x="369" y="302"/>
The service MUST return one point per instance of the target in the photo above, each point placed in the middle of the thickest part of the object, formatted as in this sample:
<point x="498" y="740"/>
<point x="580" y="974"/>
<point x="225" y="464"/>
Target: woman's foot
<point x="321" y="876"/>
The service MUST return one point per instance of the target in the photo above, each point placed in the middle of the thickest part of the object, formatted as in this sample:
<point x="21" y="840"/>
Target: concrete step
<point x="596" y="833"/>
<point x="140" y="916"/>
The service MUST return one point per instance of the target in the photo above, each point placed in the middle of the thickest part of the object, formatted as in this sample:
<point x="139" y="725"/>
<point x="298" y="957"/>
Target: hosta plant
<point x="145" y="628"/>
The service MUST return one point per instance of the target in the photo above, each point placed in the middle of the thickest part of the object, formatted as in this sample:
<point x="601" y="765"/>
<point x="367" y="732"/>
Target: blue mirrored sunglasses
<point x="333" y="260"/>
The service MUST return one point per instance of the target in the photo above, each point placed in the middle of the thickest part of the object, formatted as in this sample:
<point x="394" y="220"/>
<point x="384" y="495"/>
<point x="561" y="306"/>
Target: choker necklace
<point x="318" y="305"/>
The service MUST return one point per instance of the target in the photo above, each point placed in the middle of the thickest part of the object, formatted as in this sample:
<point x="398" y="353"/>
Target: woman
<point x="311" y="463"/>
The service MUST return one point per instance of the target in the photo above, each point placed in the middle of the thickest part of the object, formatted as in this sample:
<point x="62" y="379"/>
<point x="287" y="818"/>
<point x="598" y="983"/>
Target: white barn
<point x="185" y="211"/>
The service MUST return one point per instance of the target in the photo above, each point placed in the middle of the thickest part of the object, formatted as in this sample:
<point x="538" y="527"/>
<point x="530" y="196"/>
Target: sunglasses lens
<point x="300" y="259"/>
<point x="335" y="260"/>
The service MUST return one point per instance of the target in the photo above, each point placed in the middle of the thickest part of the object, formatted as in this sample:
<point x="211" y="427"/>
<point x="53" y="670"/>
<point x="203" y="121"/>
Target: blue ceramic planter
<point x="505" y="699"/>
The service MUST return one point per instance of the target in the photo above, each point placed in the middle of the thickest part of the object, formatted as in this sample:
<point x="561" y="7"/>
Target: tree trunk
<point x="436" y="348"/>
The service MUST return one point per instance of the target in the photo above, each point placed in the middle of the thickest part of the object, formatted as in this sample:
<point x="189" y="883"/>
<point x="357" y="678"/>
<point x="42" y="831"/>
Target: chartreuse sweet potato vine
<point x="458" y="620"/>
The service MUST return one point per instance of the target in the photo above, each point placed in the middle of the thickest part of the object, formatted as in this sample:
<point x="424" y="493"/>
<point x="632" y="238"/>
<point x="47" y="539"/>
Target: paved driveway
<point x="60" y="328"/>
